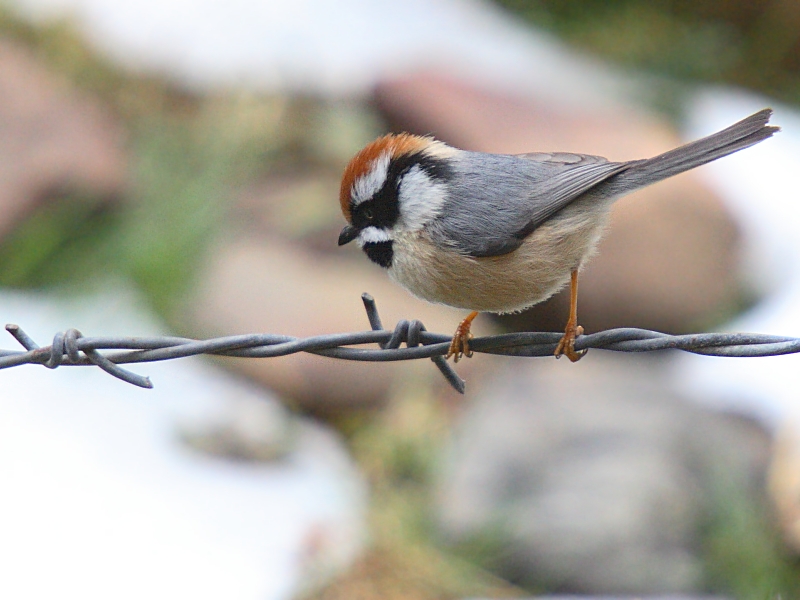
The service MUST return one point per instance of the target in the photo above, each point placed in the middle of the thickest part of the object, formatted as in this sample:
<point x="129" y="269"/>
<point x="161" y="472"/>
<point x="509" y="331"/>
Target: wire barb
<point x="409" y="331"/>
<point x="72" y="348"/>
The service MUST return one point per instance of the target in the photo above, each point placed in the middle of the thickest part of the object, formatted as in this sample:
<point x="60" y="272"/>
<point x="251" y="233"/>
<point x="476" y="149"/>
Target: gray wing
<point x="526" y="190"/>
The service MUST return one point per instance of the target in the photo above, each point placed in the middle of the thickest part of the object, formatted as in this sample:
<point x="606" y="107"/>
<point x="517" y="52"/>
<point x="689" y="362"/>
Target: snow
<point x="760" y="186"/>
<point x="101" y="499"/>
<point x="340" y="47"/>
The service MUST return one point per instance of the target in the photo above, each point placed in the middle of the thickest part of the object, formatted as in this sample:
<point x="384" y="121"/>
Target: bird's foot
<point x="566" y="345"/>
<point x="460" y="345"/>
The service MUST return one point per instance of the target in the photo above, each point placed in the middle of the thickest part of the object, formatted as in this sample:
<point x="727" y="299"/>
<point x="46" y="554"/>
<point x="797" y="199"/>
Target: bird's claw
<point x="460" y="345"/>
<point x="566" y="346"/>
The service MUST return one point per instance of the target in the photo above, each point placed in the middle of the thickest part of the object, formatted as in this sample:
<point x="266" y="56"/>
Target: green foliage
<point x="744" y="555"/>
<point x="179" y="197"/>
<point x="64" y="242"/>
<point x="753" y="44"/>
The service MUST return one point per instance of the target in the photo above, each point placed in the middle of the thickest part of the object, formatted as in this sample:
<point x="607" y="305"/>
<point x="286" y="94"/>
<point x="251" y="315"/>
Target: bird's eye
<point x="368" y="214"/>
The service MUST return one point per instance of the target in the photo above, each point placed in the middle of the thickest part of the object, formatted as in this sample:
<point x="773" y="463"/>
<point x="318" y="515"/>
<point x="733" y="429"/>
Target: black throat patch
<point x="380" y="253"/>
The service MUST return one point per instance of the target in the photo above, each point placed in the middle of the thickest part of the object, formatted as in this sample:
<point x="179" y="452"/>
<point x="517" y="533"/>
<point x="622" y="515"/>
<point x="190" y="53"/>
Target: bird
<point x="499" y="233"/>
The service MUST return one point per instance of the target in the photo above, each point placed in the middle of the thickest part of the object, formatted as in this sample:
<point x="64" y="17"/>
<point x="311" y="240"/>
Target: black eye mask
<point x="383" y="210"/>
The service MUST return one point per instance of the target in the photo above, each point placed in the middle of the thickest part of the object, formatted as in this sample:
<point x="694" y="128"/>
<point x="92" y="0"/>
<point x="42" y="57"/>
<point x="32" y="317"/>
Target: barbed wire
<point x="71" y="348"/>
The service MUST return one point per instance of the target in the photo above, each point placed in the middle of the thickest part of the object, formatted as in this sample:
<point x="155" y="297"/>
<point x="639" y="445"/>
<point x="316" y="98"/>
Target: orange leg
<point x="460" y="345"/>
<point x="567" y="344"/>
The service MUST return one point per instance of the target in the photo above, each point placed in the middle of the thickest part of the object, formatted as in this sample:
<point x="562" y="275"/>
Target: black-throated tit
<point x="497" y="232"/>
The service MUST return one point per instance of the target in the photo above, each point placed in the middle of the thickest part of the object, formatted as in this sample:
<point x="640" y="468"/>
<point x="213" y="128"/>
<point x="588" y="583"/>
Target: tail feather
<point x="745" y="133"/>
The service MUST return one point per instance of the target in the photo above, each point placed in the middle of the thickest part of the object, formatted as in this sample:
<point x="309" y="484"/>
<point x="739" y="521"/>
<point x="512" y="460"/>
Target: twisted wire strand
<point x="71" y="348"/>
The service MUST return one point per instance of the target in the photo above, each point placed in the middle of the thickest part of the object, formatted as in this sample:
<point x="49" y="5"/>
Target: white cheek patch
<point x="373" y="235"/>
<point x="366" y="186"/>
<point x="420" y="198"/>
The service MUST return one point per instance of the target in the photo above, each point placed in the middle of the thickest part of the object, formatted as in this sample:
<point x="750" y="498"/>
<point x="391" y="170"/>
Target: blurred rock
<point x="53" y="139"/>
<point x="300" y="205"/>
<point x="668" y="261"/>
<point x="784" y="482"/>
<point x="594" y="478"/>
<point x="265" y="284"/>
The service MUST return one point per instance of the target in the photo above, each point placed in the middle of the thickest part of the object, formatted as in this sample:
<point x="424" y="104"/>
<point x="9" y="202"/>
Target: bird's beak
<point x="349" y="233"/>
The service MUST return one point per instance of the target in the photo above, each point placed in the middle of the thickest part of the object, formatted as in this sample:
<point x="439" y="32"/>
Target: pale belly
<point x="507" y="283"/>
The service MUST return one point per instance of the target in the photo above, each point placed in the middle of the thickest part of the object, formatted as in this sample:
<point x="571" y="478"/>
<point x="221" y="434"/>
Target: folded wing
<point x="526" y="191"/>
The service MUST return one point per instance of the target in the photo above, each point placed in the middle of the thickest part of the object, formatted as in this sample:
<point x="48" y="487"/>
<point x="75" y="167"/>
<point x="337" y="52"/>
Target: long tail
<point x="745" y="133"/>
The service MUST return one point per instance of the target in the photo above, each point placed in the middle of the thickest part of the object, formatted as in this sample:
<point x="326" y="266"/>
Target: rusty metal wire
<point x="71" y="348"/>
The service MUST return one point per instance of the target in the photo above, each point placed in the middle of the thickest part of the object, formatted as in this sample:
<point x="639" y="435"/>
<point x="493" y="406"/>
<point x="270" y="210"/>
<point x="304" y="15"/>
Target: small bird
<point x="499" y="232"/>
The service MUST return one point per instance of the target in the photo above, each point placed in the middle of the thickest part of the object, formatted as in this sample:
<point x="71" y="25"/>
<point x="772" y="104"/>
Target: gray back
<point x="526" y="190"/>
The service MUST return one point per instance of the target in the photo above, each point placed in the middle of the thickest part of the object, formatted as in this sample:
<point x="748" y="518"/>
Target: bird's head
<point x="398" y="183"/>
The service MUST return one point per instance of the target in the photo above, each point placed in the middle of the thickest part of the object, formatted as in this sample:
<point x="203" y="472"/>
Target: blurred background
<point x="172" y="167"/>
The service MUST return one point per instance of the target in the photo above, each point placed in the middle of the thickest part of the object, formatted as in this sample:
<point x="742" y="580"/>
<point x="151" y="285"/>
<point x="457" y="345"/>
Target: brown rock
<point x="784" y="483"/>
<point x="668" y="260"/>
<point x="52" y="138"/>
